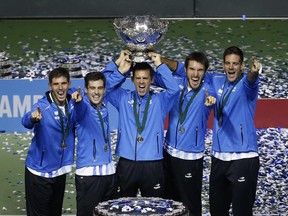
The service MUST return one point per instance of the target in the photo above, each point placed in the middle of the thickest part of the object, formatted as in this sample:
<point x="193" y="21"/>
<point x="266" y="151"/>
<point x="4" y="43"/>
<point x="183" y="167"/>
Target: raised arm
<point x="255" y="70"/>
<point x="32" y="118"/>
<point x="164" y="75"/>
<point x="116" y="72"/>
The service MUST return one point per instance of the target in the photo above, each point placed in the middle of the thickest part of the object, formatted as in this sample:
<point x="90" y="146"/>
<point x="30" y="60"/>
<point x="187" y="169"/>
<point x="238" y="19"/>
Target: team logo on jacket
<point x="220" y="91"/>
<point x="56" y="115"/>
<point x="131" y="102"/>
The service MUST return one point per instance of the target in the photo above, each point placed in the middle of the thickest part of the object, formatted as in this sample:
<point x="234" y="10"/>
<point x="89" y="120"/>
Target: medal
<point x="64" y="128"/>
<point x="183" y="114"/>
<point x="105" y="148"/>
<point x="224" y="99"/>
<point x="182" y="130"/>
<point x="63" y="145"/>
<point x="140" y="127"/>
<point x="140" y="139"/>
<point x="103" y="129"/>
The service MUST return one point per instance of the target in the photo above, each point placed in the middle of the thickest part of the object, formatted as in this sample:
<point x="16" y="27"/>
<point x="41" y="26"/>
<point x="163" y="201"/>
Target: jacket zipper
<point x="136" y="142"/>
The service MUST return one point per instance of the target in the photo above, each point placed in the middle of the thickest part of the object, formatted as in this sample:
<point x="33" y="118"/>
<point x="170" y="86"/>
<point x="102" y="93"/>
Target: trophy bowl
<point x="140" y="33"/>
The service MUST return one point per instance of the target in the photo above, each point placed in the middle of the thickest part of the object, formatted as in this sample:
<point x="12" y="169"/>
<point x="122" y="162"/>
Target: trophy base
<point x="139" y="57"/>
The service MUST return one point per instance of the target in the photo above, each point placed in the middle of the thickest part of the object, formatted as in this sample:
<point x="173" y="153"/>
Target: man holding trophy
<point x="141" y="111"/>
<point x="141" y="124"/>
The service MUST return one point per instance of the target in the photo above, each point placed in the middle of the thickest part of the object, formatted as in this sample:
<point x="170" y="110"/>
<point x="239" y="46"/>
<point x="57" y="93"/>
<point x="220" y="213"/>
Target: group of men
<point x="150" y="163"/>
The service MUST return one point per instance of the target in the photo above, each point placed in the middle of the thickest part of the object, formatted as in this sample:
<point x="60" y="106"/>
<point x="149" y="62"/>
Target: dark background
<point x="14" y="9"/>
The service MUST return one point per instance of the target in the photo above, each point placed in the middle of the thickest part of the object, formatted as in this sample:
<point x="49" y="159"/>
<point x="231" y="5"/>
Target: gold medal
<point x="140" y="139"/>
<point x="106" y="148"/>
<point x="63" y="145"/>
<point x="182" y="130"/>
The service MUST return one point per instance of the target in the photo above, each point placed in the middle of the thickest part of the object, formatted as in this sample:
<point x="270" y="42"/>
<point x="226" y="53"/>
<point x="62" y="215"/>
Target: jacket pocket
<point x="242" y="136"/>
<point x="196" y="136"/>
<point x="118" y="136"/>
<point x="158" y="147"/>
<point x="42" y="157"/>
<point x="94" y="149"/>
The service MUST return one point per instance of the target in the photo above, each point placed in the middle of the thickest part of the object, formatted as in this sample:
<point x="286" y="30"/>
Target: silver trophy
<point x="140" y="33"/>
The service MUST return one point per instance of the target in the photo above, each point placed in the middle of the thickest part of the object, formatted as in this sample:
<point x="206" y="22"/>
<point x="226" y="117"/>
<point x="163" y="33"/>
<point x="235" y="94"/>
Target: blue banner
<point x="18" y="96"/>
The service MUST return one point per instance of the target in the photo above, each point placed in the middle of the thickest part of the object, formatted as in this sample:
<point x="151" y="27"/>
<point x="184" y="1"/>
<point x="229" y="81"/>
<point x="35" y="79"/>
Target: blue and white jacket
<point x="237" y="132"/>
<point x="151" y="148"/>
<point x="92" y="150"/>
<point x="45" y="154"/>
<point x="195" y="124"/>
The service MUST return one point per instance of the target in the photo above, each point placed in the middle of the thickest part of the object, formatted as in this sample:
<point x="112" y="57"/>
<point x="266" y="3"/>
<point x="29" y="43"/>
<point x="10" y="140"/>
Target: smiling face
<point x="142" y="80"/>
<point x="194" y="72"/>
<point x="95" y="91"/>
<point x="59" y="87"/>
<point x="233" y="66"/>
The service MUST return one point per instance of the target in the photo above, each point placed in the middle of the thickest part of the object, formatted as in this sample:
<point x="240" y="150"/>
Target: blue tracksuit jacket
<point x="45" y="153"/>
<point x="195" y="123"/>
<point x="151" y="148"/>
<point x="237" y="133"/>
<point x="92" y="150"/>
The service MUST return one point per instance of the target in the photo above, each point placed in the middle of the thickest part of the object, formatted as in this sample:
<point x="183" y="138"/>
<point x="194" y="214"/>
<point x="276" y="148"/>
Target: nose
<point x="195" y="73"/>
<point x="230" y="66"/>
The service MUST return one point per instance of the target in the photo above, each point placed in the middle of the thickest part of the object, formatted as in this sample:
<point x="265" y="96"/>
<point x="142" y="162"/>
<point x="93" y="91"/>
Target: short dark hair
<point x="58" y="72"/>
<point x="234" y="50"/>
<point x="94" y="76"/>
<point x="142" y="66"/>
<point x="198" y="57"/>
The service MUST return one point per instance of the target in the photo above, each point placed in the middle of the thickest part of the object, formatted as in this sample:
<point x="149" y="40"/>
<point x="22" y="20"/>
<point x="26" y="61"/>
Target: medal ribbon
<point x="64" y="129"/>
<point x="102" y="125"/>
<point x="140" y="128"/>
<point x="183" y="115"/>
<point x="224" y="99"/>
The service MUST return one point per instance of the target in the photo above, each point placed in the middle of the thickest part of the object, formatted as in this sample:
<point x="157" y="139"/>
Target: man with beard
<point x="95" y="177"/>
<point x="51" y="153"/>
<point x="235" y="159"/>
<point x="184" y="144"/>
<point x="141" y="124"/>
